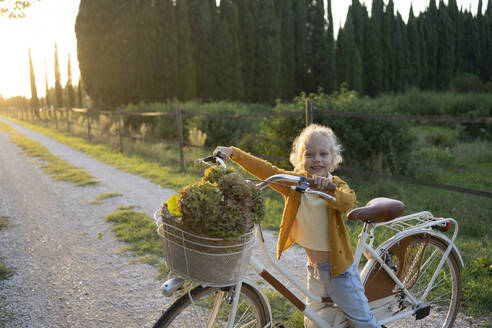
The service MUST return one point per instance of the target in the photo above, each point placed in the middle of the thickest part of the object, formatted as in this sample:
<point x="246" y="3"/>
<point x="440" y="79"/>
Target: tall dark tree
<point x="186" y="64"/>
<point x="330" y="82"/>
<point x="287" y="39"/>
<point x="202" y="43"/>
<point x="268" y="53"/>
<point x="58" y="86"/>
<point x="47" y="89"/>
<point x="167" y="70"/>
<point x="414" y="63"/>
<point x="373" y="61"/>
<point x="316" y="31"/>
<point x="69" y="86"/>
<point x="485" y="37"/>
<point x="388" y="39"/>
<point x="431" y="22"/>
<point x="247" y="44"/>
<point x="350" y="61"/>
<point x="34" y="92"/>
<point x="301" y="45"/>
<point x="445" y="49"/>
<point x="230" y="81"/>
<point x="105" y="51"/>
<point x="402" y="60"/>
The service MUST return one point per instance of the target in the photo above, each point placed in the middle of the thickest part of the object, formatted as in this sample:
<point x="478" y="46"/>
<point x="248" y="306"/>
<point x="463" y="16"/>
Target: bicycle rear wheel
<point x="210" y="307"/>
<point x="422" y="256"/>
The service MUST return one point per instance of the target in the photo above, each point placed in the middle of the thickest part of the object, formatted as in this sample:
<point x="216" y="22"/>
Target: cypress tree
<point x="472" y="44"/>
<point x="330" y="83"/>
<point x="186" y="64"/>
<point x="301" y="45"/>
<point x="105" y="50"/>
<point x="340" y="58"/>
<point x="424" y="62"/>
<point x="485" y="37"/>
<point x="47" y="89"/>
<point x="202" y="44"/>
<point x="233" y="88"/>
<point x="247" y="44"/>
<point x="431" y="40"/>
<point x="388" y="38"/>
<point x="402" y="55"/>
<point x="69" y="86"/>
<point x="287" y="39"/>
<point x="268" y="53"/>
<point x="373" y="64"/>
<point x="167" y="69"/>
<point x="352" y="63"/>
<point x="317" y="47"/>
<point x="414" y="56"/>
<point x="34" y="92"/>
<point x="58" y="86"/>
<point x="445" y="49"/>
<point x="146" y="54"/>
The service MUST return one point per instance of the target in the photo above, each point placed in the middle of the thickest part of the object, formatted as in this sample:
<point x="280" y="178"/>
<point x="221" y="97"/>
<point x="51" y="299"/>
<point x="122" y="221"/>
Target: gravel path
<point x="65" y="275"/>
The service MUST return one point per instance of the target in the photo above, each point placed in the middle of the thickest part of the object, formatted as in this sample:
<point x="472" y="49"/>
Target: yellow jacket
<point x="340" y="249"/>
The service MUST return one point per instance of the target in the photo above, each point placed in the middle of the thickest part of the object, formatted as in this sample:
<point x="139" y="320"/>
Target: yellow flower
<point x="172" y="205"/>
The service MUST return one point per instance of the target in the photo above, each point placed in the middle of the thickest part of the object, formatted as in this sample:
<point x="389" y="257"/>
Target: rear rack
<point x="418" y="221"/>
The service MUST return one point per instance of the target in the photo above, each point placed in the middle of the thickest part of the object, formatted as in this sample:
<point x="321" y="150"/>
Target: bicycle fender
<point x="390" y="242"/>
<point x="397" y="243"/>
<point x="264" y="298"/>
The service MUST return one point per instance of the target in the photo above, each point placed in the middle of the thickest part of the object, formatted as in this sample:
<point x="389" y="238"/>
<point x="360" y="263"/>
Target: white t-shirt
<point x="310" y="229"/>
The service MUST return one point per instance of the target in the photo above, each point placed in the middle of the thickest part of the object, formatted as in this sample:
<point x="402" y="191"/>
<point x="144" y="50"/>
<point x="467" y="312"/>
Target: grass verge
<point x="56" y="167"/>
<point x="104" y="196"/>
<point x="6" y="128"/>
<point x="5" y="272"/>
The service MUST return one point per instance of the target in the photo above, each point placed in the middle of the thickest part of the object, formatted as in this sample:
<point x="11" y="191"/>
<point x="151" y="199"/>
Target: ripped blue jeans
<point x="346" y="291"/>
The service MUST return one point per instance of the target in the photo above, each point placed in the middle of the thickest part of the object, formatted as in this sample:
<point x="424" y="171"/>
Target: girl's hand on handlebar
<point x="225" y="151"/>
<point x="323" y="184"/>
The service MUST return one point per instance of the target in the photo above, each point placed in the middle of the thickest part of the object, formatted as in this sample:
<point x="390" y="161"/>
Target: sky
<point x="52" y="21"/>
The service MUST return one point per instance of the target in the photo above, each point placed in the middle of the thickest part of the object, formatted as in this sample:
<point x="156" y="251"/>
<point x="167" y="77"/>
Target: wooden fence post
<point x="56" y="117"/>
<point x="68" y="120"/>
<point x="309" y="111"/>
<point x="179" y="126"/>
<point x="120" y="133"/>
<point x="88" y="125"/>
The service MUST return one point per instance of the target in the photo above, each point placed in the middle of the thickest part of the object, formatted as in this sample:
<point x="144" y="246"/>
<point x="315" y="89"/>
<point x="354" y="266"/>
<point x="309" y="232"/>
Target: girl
<point x="316" y="223"/>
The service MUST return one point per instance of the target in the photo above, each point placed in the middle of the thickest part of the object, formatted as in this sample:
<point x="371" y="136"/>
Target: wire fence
<point x="67" y="118"/>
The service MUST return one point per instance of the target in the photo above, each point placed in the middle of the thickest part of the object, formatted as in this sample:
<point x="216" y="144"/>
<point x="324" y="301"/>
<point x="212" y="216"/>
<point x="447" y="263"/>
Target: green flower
<point x="173" y="205"/>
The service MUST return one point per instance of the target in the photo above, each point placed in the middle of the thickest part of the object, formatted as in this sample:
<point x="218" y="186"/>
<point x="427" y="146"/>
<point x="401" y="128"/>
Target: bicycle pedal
<point x="422" y="312"/>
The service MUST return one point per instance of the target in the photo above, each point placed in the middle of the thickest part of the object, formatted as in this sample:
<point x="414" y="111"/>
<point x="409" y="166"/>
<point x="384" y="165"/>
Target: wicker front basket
<point x="207" y="261"/>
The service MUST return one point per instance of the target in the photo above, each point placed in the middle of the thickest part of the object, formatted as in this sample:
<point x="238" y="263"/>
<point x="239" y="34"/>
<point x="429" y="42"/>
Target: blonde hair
<point x="299" y="145"/>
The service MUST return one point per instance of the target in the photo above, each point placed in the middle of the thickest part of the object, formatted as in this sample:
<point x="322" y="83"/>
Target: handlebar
<point x="301" y="184"/>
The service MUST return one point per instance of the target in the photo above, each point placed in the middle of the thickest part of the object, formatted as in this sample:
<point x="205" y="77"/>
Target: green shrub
<point x="224" y="128"/>
<point x="467" y="82"/>
<point x="368" y="143"/>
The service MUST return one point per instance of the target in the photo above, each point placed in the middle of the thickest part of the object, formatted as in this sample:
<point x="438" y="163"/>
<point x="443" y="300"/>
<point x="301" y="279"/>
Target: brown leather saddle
<point x="379" y="209"/>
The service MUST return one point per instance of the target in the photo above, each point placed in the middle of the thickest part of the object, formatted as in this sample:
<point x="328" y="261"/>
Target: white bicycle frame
<point x="364" y="247"/>
<point x="404" y="226"/>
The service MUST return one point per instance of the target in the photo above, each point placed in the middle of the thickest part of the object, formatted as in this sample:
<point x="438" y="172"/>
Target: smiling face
<point x="317" y="156"/>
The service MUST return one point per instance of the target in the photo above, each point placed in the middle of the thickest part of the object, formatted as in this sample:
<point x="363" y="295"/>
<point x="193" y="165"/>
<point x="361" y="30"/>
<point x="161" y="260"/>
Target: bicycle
<point x="413" y="275"/>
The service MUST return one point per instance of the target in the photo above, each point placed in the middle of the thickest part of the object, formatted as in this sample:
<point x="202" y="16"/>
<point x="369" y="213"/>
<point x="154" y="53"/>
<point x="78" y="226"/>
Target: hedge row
<point x="368" y="143"/>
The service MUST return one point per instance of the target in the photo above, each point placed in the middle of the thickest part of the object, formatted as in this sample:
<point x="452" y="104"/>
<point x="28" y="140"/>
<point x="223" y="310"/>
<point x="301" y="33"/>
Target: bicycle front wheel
<point x="423" y="255"/>
<point x="210" y="307"/>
